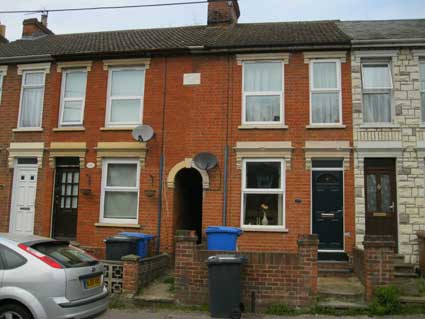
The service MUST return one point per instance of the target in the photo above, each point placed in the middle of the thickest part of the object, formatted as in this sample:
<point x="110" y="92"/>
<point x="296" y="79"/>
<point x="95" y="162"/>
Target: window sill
<point x="327" y="126"/>
<point x="263" y="127"/>
<point x="69" y="129"/>
<point x="29" y="129"/>
<point x="269" y="229"/>
<point x="118" y="225"/>
<point x="380" y="125"/>
<point x="127" y="128"/>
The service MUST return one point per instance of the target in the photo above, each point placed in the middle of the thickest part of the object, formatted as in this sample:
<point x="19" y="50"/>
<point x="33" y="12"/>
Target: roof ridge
<point x="383" y="20"/>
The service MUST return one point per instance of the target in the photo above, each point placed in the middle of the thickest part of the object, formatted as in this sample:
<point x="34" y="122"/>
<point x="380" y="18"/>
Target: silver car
<point x="46" y="278"/>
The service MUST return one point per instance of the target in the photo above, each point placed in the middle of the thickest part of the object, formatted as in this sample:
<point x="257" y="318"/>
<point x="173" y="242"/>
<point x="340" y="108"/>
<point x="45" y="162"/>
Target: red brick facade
<point x="197" y="118"/>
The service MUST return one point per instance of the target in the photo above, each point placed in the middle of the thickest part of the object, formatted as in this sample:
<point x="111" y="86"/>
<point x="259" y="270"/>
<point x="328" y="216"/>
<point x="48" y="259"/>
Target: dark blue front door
<point x="328" y="209"/>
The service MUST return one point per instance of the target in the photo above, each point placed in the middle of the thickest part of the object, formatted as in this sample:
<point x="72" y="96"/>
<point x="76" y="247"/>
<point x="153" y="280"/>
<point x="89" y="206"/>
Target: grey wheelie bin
<point x="224" y="281"/>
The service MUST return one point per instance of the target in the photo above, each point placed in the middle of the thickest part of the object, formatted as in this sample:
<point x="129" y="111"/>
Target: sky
<point x="251" y="11"/>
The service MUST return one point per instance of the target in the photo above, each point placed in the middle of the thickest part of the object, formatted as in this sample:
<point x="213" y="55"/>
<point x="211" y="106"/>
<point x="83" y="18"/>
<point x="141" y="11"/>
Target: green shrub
<point x="281" y="310"/>
<point x="386" y="301"/>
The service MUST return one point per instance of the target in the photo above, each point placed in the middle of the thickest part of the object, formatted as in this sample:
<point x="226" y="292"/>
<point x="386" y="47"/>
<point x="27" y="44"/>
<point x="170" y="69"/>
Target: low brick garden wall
<point x="275" y="278"/>
<point x="374" y="265"/>
<point x="132" y="273"/>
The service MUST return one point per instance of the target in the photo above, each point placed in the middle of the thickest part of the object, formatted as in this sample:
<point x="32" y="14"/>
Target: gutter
<point x="379" y="43"/>
<point x="28" y="58"/>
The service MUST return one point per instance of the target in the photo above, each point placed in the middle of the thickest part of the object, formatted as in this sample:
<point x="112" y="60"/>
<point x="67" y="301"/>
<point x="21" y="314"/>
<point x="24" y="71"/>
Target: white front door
<point x="23" y="199"/>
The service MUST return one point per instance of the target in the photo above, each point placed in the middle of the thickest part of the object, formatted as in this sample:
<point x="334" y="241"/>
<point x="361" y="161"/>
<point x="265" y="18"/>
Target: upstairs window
<point x="73" y="97"/>
<point x="32" y="95"/>
<point x="422" y="74"/>
<point x="262" y="93"/>
<point x="263" y="194"/>
<point x="125" y="96"/>
<point x="325" y="92"/>
<point x="377" y="93"/>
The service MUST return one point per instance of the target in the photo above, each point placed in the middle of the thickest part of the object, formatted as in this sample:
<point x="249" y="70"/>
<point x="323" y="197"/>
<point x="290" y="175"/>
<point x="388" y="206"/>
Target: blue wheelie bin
<point x="222" y="238"/>
<point x="142" y="242"/>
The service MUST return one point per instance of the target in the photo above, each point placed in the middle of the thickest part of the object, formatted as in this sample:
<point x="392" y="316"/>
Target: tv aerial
<point x="205" y="161"/>
<point x="143" y="133"/>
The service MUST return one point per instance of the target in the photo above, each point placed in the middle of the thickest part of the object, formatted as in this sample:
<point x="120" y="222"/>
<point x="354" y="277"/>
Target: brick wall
<point x="197" y="118"/>
<point x="359" y="263"/>
<point x="152" y="267"/>
<point x="289" y="278"/>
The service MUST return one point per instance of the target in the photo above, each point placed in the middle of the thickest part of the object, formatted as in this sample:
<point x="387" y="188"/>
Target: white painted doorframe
<point x="22" y="208"/>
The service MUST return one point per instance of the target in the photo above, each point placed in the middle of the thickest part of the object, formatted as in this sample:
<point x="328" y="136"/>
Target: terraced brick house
<point x="272" y="102"/>
<point x="388" y="76"/>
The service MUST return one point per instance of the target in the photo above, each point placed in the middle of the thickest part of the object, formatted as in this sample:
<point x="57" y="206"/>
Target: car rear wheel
<point x="14" y="311"/>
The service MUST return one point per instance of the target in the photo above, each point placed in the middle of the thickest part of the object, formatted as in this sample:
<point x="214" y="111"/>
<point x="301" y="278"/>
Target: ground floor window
<point x="120" y="191"/>
<point x="263" y="194"/>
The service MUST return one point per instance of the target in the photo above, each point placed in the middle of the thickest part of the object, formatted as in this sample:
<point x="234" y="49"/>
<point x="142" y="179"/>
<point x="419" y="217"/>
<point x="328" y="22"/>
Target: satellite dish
<point x="205" y="161"/>
<point x="142" y="133"/>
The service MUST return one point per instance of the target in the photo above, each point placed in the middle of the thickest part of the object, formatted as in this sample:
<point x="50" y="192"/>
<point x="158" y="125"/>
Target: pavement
<point x="173" y="314"/>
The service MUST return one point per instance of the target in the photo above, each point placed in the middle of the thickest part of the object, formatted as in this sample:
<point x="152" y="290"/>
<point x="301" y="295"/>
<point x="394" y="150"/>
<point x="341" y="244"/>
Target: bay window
<point x="32" y="95"/>
<point x="263" y="194"/>
<point x="377" y="93"/>
<point x="73" y="97"/>
<point x="262" y="92"/>
<point x="325" y="92"/>
<point x="422" y="75"/>
<point x="125" y="96"/>
<point x="120" y="191"/>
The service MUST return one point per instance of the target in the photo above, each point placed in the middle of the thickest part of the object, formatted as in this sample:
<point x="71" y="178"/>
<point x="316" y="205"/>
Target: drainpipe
<point x="161" y="160"/>
<point x="226" y="159"/>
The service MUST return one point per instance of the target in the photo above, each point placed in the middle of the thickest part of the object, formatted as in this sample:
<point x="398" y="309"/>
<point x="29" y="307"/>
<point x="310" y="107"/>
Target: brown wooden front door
<point x="381" y="197"/>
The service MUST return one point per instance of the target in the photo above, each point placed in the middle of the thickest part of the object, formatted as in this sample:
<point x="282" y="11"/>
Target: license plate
<point x="92" y="282"/>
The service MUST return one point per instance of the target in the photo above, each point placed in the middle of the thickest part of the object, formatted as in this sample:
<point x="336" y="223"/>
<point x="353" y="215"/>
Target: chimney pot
<point x="44" y="17"/>
<point x="223" y="12"/>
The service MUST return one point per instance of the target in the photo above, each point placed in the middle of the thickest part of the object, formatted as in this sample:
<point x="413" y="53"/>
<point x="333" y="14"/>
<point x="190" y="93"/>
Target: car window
<point x="10" y="258"/>
<point x="66" y="255"/>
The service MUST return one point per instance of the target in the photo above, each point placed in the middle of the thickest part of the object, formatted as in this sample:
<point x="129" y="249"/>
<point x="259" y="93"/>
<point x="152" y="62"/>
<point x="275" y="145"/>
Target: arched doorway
<point x="188" y="201"/>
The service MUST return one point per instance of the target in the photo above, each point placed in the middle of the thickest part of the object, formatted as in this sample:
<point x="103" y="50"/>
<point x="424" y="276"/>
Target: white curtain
<point x="423" y="106"/>
<point x="377" y="108"/>
<point x="263" y="108"/>
<point x="376" y="76"/>
<point x="31" y="107"/>
<point x="324" y="75"/>
<point x="120" y="205"/>
<point x="128" y="82"/>
<point x="123" y="175"/>
<point x="263" y="76"/>
<point x="126" y="110"/>
<point x="75" y="84"/>
<point x="325" y="108"/>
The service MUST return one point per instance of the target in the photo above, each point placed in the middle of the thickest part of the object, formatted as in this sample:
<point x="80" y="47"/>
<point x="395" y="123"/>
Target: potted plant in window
<point x="264" y="208"/>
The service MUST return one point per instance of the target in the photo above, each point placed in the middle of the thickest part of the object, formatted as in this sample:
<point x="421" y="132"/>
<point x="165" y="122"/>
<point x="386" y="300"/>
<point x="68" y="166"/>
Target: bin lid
<point x="223" y="229"/>
<point x="137" y="235"/>
<point x="120" y="239"/>
<point x="226" y="259"/>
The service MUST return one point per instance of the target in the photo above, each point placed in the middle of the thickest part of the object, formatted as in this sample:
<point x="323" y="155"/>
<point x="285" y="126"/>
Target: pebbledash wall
<point x="197" y="118"/>
<point x="403" y="140"/>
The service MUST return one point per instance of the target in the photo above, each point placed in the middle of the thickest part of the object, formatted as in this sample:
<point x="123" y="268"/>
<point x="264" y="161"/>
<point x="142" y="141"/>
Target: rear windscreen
<point x="66" y="255"/>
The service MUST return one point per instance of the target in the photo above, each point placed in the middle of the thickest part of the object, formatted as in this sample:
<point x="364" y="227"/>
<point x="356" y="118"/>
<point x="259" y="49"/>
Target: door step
<point x="340" y="293"/>
<point x="334" y="268"/>
<point x="403" y="269"/>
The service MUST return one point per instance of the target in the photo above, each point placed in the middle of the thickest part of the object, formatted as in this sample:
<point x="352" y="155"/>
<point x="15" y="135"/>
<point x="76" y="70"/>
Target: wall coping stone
<point x="133" y="258"/>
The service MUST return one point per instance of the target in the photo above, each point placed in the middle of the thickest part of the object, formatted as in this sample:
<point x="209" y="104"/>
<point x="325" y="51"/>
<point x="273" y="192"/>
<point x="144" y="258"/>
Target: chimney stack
<point x="44" y="17"/>
<point x="32" y="28"/>
<point x="3" y="33"/>
<point x="222" y="13"/>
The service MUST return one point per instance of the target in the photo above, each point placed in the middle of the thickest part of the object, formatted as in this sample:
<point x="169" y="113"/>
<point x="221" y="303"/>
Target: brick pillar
<point x="307" y="254"/>
<point x="379" y="262"/>
<point x="421" y="240"/>
<point x="131" y="264"/>
<point x="184" y="264"/>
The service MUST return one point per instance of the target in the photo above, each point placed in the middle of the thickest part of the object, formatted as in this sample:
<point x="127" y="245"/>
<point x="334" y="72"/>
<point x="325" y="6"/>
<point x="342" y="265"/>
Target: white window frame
<point x="108" y="122"/>
<point x="388" y="90"/>
<point x="1" y="84"/>
<point x="105" y="163"/>
<point x="281" y="190"/>
<point x="24" y="86"/>
<point x="261" y="93"/>
<point x="421" y="91"/>
<point x="326" y="90"/>
<point x="66" y="99"/>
